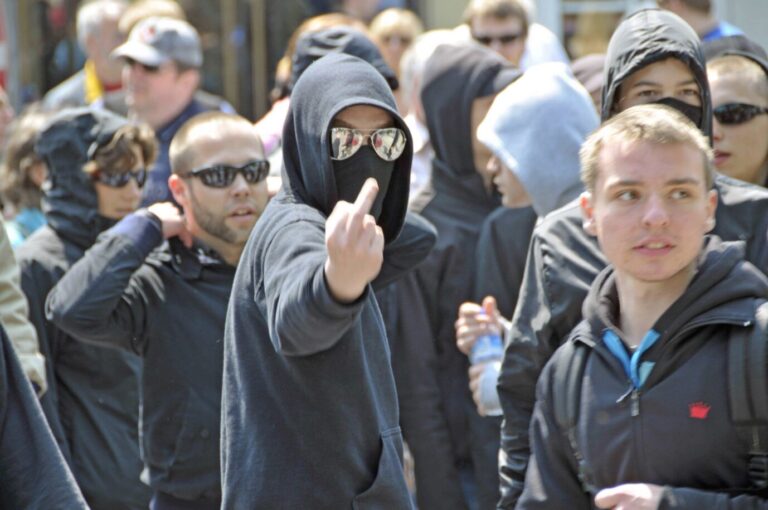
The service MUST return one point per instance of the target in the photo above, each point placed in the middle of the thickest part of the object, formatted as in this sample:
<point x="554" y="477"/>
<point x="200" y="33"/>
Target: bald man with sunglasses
<point x="158" y="283"/>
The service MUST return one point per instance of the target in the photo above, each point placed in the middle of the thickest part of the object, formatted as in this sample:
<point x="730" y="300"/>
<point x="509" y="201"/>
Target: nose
<point x="496" y="45"/>
<point x="717" y="130"/>
<point x="655" y="213"/>
<point x="131" y="192"/>
<point x="240" y="186"/>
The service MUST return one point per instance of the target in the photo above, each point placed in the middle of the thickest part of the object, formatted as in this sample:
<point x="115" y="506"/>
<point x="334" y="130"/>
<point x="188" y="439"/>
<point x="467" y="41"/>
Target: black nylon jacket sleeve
<point x="97" y="300"/>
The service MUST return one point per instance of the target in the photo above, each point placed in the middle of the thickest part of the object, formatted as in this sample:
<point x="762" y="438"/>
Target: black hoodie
<point x="563" y="260"/>
<point x="34" y="472"/>
<point x="442" y="427"/>
<point x="652" y="436"/>
<point x="92" y="403"/>
<point x="309" y="410"/>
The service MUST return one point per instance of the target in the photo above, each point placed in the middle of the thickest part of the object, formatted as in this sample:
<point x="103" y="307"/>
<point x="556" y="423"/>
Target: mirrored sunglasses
<point x="388" y="143"/>
<point x="737" y="113"/>
<point x="486" y="40"/>
<point x="222" y="176"/>
<point x="120" y="179"/>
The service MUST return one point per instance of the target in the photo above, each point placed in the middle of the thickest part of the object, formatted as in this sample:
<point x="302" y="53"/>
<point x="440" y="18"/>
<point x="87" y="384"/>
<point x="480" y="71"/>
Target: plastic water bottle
<point x="488" y="349"/>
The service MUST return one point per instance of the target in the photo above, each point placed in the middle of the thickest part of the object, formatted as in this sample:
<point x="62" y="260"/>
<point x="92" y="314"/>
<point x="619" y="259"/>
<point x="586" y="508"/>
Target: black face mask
<point x="352" y="172"/>
<point x="692" y="112"/>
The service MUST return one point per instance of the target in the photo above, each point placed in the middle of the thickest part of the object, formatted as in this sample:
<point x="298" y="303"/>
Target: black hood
<point x="328" y="86"/>
<point x="723" y="279"/>
<point x="68" y="141"/>
<point x="648" y="36"/>
<point x="314" y="45"/>
<point x="454" y="76"/>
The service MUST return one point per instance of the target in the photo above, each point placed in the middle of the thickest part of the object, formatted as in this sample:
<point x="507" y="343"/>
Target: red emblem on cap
<point x="699" y="410"/>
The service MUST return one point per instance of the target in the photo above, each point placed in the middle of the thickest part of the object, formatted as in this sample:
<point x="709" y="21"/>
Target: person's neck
<point x="643" y="303"/>
<point x="229" y="252"/>
<point x="158" y="119"/>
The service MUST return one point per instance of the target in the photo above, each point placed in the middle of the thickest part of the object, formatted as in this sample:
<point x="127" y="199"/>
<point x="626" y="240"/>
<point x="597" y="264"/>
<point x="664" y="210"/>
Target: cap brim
<point x="499" y="82"/>
<point x="142" y="53"/>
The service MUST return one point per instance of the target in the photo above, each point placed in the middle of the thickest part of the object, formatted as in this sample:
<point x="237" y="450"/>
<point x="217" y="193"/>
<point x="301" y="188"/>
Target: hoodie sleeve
<point x="537" y="328"/>
<point x="99" y="300"/>
<point x="13" y="315"/>
<point x="551" y="480"/>
<point x="34" y="472"/>
<point x="678" y="498"/>
<point x="302" y="315"/>
<point x="411" y="247"/>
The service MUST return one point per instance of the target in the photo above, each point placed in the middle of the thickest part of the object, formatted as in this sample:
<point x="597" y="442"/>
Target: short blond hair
<point x="651" y="123"/>
<point x="744" y="68"/>
<point x="499" y="9"/>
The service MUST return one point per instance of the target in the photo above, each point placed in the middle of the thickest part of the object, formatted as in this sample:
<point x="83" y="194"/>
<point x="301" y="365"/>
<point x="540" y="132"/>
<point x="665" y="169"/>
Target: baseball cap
<point x="155" y="41"/>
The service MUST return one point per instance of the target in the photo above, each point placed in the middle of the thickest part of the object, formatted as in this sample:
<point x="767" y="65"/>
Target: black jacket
<point x="167" y="306"/>
<point x="563" y="260"/>
<point x="442" y="427"/>
<point x="652" y="435"/>
<point x="34" y="472"/>
<point x="501" y="251"/>
<point x="92" y="403"/>
<point x="309" y="409"/>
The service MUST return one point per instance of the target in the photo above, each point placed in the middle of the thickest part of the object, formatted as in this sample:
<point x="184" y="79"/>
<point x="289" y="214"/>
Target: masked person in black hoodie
<point x="310" y="416"/>
<point x="449" y="440"/>
<point x="34" y="472"/>
<point x="653" y="56"/>
<point x="657" y="421"/>
<point x="97" y="164"/>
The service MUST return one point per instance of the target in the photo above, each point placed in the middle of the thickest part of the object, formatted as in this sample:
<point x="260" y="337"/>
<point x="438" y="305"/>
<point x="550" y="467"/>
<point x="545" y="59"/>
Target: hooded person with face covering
<point x="535" y="129"/>
<point x="96" y="162"/>
<point x="447" y="437"/>
<point x="653" y="57"/>
<point x="310" y="412"/>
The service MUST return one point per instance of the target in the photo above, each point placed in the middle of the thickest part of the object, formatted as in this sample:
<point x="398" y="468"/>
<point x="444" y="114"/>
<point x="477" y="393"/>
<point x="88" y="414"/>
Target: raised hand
<point x="475" y="321"/>
<point x="355" y="245"/>
<point x="173" y="222"/>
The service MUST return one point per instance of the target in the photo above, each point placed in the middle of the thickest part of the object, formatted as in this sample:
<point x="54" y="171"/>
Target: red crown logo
<point x="699" y="410"/>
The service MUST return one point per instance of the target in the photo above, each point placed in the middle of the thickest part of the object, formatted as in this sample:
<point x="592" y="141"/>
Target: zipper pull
<point x="626" y="394"/>
<point x="635" y="409"/>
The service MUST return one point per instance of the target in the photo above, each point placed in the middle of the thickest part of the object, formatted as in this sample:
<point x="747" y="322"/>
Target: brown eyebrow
<point x="342" y="123"/>
<point x="644" y="83"/>
<point x="672" y="182"/>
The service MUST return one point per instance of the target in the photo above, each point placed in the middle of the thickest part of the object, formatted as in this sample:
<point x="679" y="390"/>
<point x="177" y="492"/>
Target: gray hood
<point x="536" y="127"/>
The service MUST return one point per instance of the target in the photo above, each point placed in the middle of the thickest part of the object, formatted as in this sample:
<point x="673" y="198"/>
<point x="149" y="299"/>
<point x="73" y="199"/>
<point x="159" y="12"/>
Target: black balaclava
<point x="314" y="45"/>
<point x="329" y="85"/>
<point x="652" y="35"/>
<point x="68" y="141"/>
<point x="352" y="172"/>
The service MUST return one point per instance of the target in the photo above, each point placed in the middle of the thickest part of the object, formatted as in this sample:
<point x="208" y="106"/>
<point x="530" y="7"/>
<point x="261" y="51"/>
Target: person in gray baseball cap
<point x="161" y="75"/>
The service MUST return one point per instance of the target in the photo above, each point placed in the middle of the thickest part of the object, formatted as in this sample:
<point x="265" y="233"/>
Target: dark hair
<point x="16" y="184"/>
<point x="117" y="156"/>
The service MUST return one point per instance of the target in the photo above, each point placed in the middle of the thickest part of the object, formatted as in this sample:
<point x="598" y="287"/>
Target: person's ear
<point x="588" y="213"/>
<point x="711" y="209"/>
<point x="179" y="189"/>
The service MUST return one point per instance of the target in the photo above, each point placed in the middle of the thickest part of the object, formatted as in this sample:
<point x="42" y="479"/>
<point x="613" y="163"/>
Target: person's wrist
<point x="339" y="287"/>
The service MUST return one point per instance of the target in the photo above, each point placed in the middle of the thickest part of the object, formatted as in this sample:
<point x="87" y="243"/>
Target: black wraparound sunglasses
<point x="120" y="179"/>
<point x="222" y="176"/>
<point x="737" y="113"/>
